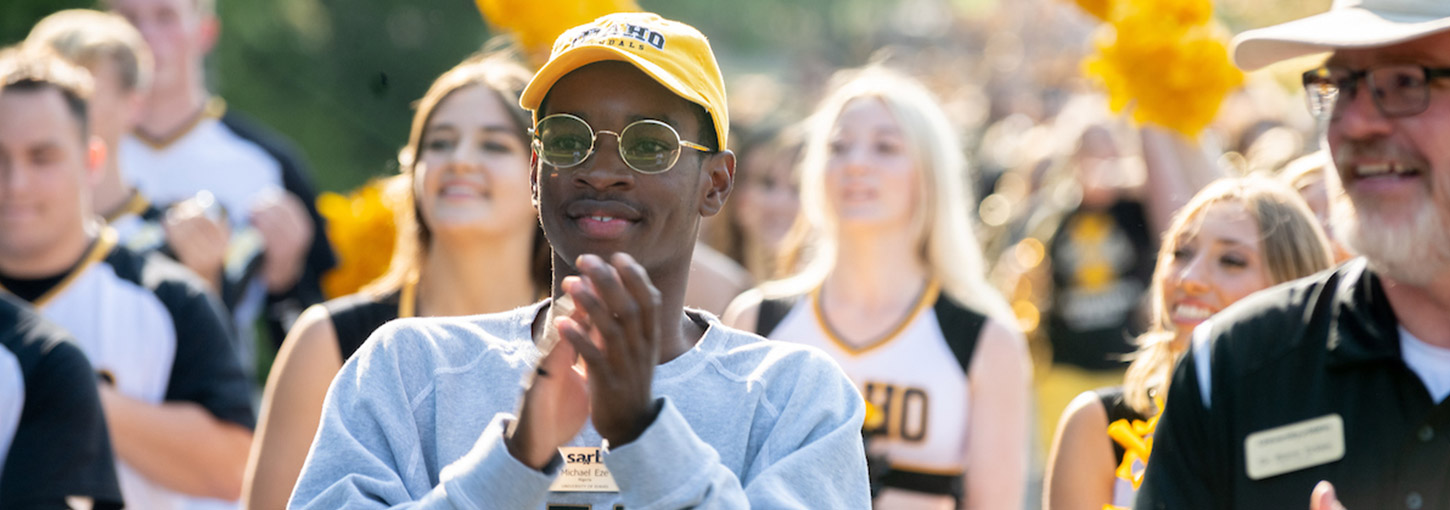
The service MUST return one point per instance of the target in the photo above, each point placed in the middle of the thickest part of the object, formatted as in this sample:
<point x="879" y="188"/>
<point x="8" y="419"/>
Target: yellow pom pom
<point x="362" y="230"/>
<point x="1163" y="60"/>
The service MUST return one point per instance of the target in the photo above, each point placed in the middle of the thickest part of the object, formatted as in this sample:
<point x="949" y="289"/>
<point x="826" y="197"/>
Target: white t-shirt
<point x="1429" y="362"/>
<point x="210" y="157"/>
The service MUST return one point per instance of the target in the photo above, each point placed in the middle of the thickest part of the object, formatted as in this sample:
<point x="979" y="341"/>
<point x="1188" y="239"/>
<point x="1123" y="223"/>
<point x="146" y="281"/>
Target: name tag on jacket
<point x="1294" y="446"/>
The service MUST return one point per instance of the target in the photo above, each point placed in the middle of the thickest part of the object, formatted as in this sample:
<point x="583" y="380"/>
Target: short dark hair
<point x="707" y="128"/>
<point x="39" y="68"/>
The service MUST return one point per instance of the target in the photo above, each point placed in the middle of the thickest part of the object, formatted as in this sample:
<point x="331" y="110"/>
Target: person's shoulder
<point x="170" y="281"/>
<point x="1286" y="314"/>
<point x="789" y="379"/>
<point x="362" y="306"/>
<point x="1085" y="416"/>
<point x="31" y="338"/>
<point x="268" y="139"/>
<point x="760" y="309"/>
<point x="41" y="350"/>
<point x="16" y="318"/>
<point x="149" y="269"/>
<point x="434" y="343"/>
<point x="744" y="352"/>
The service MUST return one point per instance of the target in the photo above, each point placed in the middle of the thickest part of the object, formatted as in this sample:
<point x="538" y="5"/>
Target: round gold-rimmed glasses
<point x="648" y="146"/>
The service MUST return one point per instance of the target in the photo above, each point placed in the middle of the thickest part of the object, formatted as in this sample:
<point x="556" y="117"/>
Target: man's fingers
<point x="578" y="341"/>
<point x="604" y="281"/>
<point x="637" y="282"/>
<point x="599" y="317"/>
<point x="618" y="301"/>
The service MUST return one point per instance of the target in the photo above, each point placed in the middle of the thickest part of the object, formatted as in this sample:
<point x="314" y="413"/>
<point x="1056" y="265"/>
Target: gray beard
<point x="1416" y="254"/>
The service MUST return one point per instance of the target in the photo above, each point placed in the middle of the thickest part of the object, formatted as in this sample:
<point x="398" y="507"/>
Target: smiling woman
<point x="1235" y="237"/>
<point x="468" y="242"/>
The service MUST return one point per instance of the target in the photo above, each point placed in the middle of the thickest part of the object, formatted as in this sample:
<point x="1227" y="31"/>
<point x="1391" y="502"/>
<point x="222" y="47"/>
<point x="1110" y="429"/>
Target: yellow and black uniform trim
<point x="100" y="248"/>
<point x="214" y="109"/>
<point x="925" y="300"/>
<point x="136" y="205"/>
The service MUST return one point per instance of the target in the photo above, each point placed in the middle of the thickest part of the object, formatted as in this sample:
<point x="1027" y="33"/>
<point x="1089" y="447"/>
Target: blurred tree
<point x="17" y="16"/>
<point x="340" y="77"/>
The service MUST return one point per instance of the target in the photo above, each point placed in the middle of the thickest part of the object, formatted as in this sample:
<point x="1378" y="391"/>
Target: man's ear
<point x="95" y="160"/>
<point x="208" y="32"/>
<point x="719" y="170"/>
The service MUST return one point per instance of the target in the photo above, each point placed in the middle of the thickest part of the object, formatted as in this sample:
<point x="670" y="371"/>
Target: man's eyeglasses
<point x="647" y="146"/>
<point x="1397" y="90"/>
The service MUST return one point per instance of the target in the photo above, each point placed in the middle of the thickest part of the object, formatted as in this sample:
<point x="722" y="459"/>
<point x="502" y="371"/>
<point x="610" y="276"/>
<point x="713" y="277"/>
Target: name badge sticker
<point x="1294" y="447"/>
<point x="584" y="471"/>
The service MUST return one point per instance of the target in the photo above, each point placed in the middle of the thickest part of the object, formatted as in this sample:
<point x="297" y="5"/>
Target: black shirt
<point x="1102" y="263"/>
<point x="149" y="322"/>
<point x="60" y="446"/>
<point x="1117" y="407"/>
<point x="356" y="316"/>
<point x="1318" y="347"/>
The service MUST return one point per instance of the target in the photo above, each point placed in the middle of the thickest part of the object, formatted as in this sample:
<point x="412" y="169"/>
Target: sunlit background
<point x="339" y="77"/>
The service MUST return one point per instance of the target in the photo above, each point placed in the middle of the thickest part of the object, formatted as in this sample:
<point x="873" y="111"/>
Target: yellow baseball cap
<point x="673" y="53"/>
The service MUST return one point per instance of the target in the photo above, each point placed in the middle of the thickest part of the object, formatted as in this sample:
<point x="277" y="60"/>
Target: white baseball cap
<point x="1348" y="24"/>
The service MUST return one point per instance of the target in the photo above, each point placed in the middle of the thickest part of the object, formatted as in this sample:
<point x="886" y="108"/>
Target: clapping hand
<point x="614" y="328"/>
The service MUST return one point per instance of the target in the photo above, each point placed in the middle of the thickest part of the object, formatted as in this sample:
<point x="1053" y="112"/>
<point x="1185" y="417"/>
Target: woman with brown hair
<point x="468" y="243"/>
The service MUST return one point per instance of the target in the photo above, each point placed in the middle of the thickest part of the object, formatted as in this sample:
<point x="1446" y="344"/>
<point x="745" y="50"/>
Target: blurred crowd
<point x="1008" y="269"/>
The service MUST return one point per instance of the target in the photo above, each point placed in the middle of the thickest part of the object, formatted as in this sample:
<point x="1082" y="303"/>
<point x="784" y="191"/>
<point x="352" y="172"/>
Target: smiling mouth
<point x="459" y="191"/>
<point x="603" y="227"/>
<point x="1384" y="169"/>
<point x="1186" y="312"/>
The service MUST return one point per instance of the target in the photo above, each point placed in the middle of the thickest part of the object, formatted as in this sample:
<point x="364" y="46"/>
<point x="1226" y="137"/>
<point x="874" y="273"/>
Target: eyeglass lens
<point x="1396" y="90"/>
<point x="647" y="146"/>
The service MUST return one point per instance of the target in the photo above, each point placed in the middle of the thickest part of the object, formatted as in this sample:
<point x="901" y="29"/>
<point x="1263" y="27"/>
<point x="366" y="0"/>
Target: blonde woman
<point x="1235" y="237"/>
<point x="468" y="243"/>
<point x="891" y="284"/>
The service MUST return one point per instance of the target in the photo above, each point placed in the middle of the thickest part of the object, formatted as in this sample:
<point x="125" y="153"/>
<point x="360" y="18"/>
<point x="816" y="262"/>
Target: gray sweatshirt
<point x="416" y="419"/>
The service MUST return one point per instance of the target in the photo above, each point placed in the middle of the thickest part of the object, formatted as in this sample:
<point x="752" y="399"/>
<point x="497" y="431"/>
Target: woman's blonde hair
<point x="501" y="74"/>
<point x="1292" y="246"/>
<point x="949" y="247"/>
